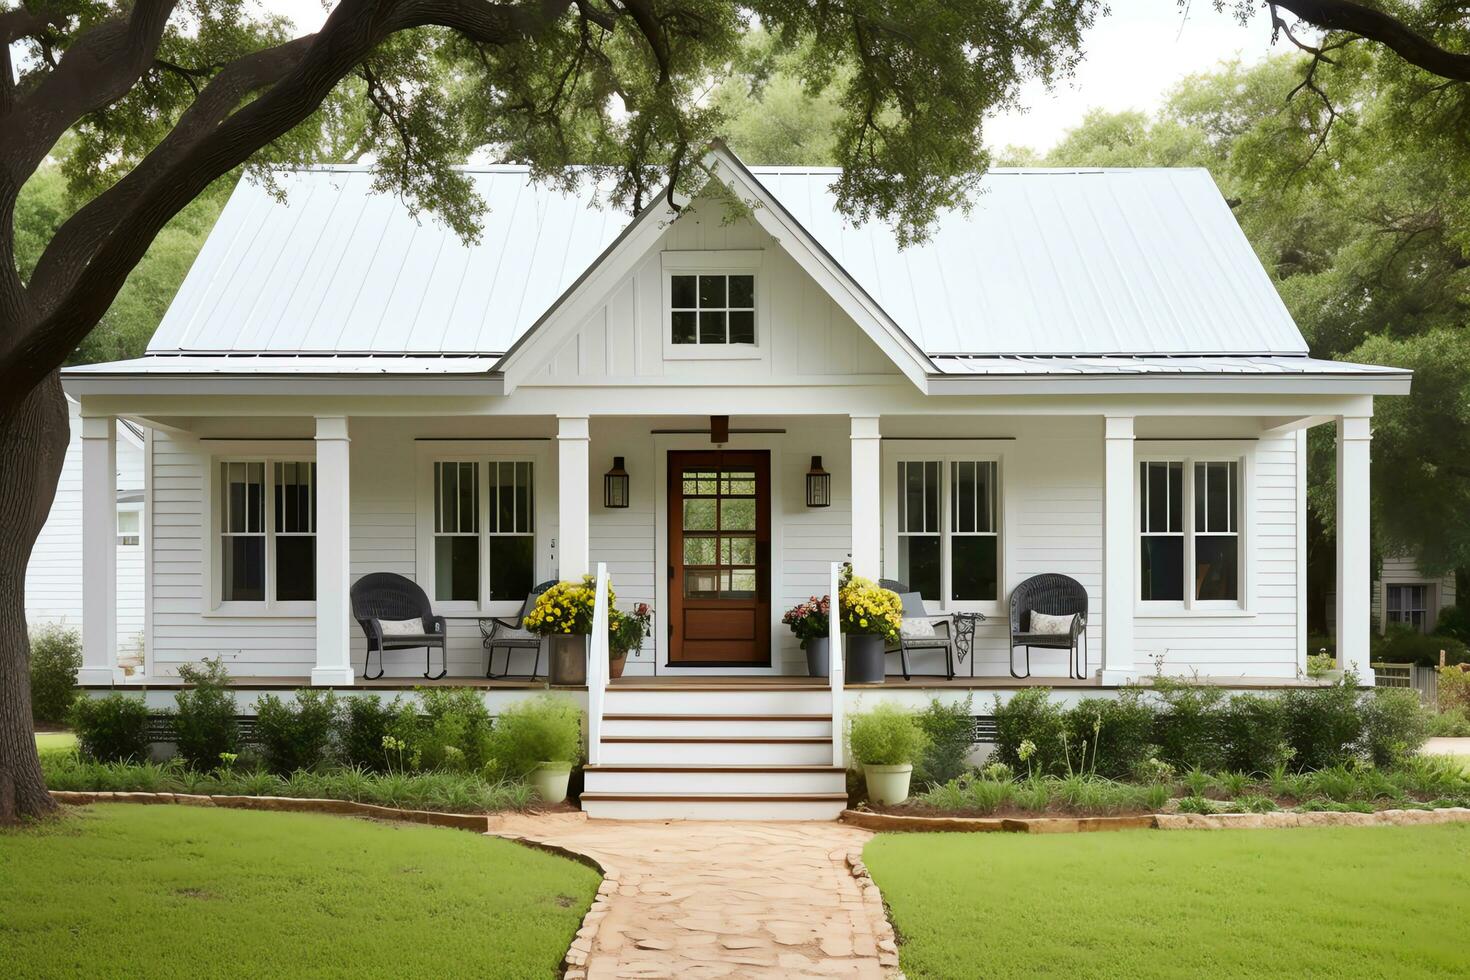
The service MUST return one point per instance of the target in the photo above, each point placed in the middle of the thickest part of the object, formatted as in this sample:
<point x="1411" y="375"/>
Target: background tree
<point x="163" y="98"/>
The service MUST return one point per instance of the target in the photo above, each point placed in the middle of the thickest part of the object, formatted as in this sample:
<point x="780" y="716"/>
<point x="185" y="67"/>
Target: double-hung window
<point x="1189" y="540"/>
<point x="1408" y="605"/>
<point x="267" y="531"/>
<point x="484" y="531"/>
<point x="948" y="528"/>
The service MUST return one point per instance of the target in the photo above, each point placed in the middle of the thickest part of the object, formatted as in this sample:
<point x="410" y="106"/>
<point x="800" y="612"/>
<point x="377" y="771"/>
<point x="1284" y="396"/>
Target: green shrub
<point x="1323" y="724"/>
<point x="1118" y="732"/>
<point x="970" y="794"/>
<point x="950" y="729"/>
<point x="887" y="735"/>
<point x="111" y="729"/>
<point x="1454" y="690"/>
<point x="1453" y="621"/>
<point x="1452" y="723"/>
<point x="1395" y="725"/>
<point x="455" y="730"/>
<point x="1197" y="804"/>
<point x="1402" y="644"/>
<point x="299" y="735"/>
<point x="1188" y="728"/>
<point x="1030" y="729"/>
<point x="543" y="729"/>
<point x="204" y="721"/>
<point x="1320" y="664"/>
<point x="1254" y="732"/>
<point x="56" y="655"/>
<point x="364" y="721"/>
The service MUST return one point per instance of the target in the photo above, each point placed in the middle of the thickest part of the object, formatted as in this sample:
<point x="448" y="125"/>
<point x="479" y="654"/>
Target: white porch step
<point x="668" y="725"/>
<point x="709" y="806"/>
<point x="717" y="700"/>
<point x="753" y="750"/>
<point x="680" y="780"/>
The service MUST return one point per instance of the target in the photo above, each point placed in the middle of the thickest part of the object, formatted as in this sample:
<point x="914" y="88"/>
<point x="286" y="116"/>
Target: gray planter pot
<point x="818" y="657"/>
<point x="864" y="658"/>
<point x="568" y="660"/>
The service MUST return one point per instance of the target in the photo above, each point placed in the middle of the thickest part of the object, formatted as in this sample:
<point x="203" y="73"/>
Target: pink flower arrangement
<point x="809" y="620"/>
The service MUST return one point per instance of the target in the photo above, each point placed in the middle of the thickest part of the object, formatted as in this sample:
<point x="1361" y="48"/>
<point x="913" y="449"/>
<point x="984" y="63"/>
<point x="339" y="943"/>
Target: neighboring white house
<point x="55" y="573"/>
<point x="1087" y="373"/>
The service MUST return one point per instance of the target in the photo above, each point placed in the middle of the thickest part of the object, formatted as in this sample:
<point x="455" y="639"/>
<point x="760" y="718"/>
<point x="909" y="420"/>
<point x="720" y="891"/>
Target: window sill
<point x="1235" y="612"/>
<point x="713" y="352"/>
<point x="261" y="610"/>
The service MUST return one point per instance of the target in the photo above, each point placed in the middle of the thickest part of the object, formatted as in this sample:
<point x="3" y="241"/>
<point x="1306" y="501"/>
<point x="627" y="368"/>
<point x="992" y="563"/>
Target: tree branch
<point x="1386" y="29"/>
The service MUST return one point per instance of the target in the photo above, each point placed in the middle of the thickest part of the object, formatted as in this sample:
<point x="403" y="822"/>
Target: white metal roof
<point x="1045" y="262"/>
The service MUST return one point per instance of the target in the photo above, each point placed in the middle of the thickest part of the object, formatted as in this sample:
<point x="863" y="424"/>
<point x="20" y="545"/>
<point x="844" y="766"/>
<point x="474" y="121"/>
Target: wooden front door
<point x="720" y="558"/>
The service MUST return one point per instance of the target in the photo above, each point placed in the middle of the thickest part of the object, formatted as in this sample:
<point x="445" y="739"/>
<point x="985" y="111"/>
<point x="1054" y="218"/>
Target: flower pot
<point x="550" y="781"/>
<point x="888" y="784"/>
<point x="616" y="664"/>
<point x="568" y="659"/>
<point x="864" y="658"/>
<point x="818" y="656"/>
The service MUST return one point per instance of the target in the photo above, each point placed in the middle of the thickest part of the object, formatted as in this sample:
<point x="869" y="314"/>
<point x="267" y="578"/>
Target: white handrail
<point x="597" y="667"/>
<point x="835" y="667"/>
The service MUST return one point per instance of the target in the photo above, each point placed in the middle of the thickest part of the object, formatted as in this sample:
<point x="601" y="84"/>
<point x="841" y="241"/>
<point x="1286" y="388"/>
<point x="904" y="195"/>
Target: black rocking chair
<point x="510" y="635"/>
<point x="1054" y="595"/>
<point x="388" y="597"/>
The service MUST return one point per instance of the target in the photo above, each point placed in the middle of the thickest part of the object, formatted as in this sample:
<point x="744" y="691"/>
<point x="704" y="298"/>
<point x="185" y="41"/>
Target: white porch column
<point x="1354" y="572"/>
<point x="1119" y="549"/>
<point x="99" y="550"/>
<point x="571" y="497"/>
<point x="333" y="547"/>
<point x="867" y="507"/>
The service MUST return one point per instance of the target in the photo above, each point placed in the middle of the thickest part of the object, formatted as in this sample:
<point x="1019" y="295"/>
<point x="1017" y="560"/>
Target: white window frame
<point x="269" y="455"/>
<point x="543" y="528"/>
<point x="135" y="509"/>
<point x="736" y="262"/>
<point x="1231" y="451"/>
<point x="946" y="453"/>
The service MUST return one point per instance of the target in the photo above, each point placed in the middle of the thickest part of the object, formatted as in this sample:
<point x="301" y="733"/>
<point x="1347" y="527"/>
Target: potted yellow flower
<point x="871" y="617"/>
<point x="563" y="614"/>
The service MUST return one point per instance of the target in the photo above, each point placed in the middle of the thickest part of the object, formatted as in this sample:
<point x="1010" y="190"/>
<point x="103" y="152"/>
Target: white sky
<point x="1133" y="57"/>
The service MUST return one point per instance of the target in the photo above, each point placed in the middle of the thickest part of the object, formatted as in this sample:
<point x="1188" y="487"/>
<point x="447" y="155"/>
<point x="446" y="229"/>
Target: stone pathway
<point x="696" y="899"/>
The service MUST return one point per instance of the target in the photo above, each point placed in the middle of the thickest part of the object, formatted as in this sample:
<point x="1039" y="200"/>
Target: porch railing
<point x="835" y="667"/>
<point x="597" y="668"/>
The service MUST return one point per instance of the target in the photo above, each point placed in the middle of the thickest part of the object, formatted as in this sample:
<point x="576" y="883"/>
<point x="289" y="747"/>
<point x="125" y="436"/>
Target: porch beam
<point x="333" y="553"/>
<point x="1354" y="562"/>
<point x="1273" y="427"/>
<point x="99" y="550"/>
<point x="573" y="548"/>
<point x="867" y="513"/>
<point x="1119" y="550"/>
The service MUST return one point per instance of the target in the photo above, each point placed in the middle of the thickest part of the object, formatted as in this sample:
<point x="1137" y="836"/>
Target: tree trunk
<point x="33" y="442"/>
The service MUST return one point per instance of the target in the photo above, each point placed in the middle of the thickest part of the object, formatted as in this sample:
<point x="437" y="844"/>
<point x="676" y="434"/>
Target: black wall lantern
<point x="818" y="485"/>
<point x="615" y="485"/>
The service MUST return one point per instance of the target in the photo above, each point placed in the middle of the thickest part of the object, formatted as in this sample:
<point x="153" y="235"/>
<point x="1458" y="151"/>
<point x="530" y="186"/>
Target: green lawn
<point x="48" y="743"/>
<point x="175" y="891"/>
<point x="1334" y="902"/>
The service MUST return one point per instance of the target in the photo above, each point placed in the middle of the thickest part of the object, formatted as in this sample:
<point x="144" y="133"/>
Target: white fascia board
<point x="1112" y="384"/>
<point x="93" y="384"/>
<point x="825" y="270"/>
<point x="591" y="289"/>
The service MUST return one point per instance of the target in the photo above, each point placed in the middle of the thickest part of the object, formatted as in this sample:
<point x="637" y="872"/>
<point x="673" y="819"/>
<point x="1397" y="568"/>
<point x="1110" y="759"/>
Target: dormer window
<point x="712" y="309"/>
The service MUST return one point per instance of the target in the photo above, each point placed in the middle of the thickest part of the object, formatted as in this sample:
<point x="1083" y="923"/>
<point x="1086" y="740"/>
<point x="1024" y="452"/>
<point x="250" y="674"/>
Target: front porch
<point x="963" y="506"/>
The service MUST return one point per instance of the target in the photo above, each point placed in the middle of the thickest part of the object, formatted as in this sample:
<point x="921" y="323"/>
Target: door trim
<point x="663" y="443"/>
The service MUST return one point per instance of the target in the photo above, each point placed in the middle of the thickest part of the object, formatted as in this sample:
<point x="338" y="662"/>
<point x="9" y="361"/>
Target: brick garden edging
<point x="478" y="822"/>
<point x="893" y="822"/>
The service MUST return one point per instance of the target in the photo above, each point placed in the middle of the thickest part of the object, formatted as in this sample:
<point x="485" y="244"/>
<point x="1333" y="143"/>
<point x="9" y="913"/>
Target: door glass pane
<point x="741" y="583"/>
<point x="918" y="564"/>
<point x="701" y="483"/>
<point x="1163" y="568"/>
<point x="737" y="514"/>
<point x="975" y="571"/>
<point x="699" y="551"/>
<point x="740" y="483"/>
<point x="699" y="514"/>
<point x="512" y="567"/>
<point x="701" y="584"/>
<point x="1217" y="567"/>
<point x="737" y="551"/>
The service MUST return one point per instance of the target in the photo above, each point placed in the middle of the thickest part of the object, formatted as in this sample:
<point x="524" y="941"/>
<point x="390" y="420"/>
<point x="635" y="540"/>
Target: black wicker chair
<point x="500" y="633"/>
<point x="1054" y="595"/>
<point x="913" y="608"/>
<point x="386" y="596"/>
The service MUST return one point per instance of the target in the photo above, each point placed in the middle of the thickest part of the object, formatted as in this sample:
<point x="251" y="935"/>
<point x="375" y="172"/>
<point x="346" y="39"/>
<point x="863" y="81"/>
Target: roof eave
<point x="1387" y="383"/>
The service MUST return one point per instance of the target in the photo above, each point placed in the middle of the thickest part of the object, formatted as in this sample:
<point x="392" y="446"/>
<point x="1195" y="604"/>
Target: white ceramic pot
<point x="550" y="781"/>
<point x="888" y="784"/>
